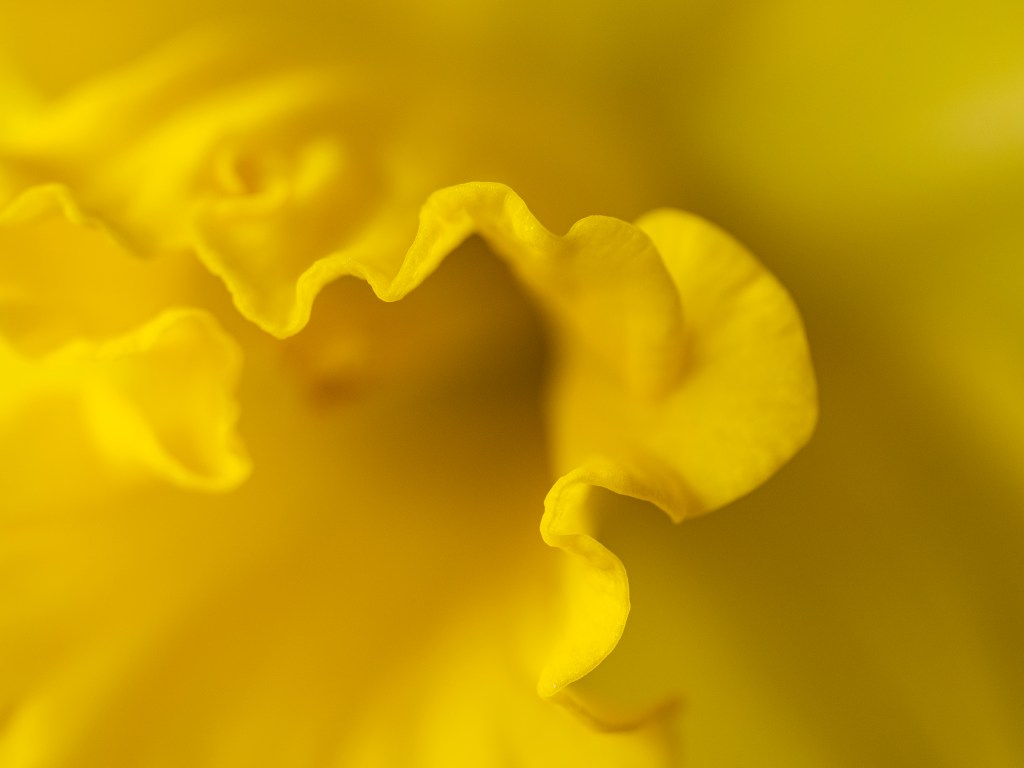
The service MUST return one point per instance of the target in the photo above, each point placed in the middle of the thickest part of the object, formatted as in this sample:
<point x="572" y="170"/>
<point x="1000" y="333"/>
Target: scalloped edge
<point x="496" y="213"/>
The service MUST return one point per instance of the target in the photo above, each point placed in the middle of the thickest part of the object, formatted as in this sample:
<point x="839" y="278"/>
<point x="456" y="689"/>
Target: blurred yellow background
<point x="865" y="607"/>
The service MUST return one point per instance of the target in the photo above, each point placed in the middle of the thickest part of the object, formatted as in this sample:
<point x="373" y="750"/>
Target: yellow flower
<point x="867" y="606"/>
<point x="252" y="515"/>
<point x="377" y="592"/>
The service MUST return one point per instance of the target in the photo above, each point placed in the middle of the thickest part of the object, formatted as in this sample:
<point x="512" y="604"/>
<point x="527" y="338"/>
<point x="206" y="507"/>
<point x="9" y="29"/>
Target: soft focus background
<point x="866" y="607"/>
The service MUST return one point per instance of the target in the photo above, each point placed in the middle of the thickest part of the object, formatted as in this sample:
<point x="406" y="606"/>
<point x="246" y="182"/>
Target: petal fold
<point x="596" y="584"/>
<point x="741" y="403"/>
<point x="210" y="145"/>
<point x="158" y="402"/>
<point x="744" y="402"/>
<point x="680" y="376"/>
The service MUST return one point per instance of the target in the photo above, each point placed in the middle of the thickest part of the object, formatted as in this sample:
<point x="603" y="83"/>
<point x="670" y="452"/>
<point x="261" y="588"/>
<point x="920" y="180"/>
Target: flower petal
<point x="260" y="169"/>
<point x="596" y="603"/>
<point x="697" y="404"/>
<point x="60" y="281"/>
<point x="744" y="403"/>
<point x="268" y="626"/>
<point x="687" y="420"/>
<point x="471" y="690"/>
<point x="157" y="402"/>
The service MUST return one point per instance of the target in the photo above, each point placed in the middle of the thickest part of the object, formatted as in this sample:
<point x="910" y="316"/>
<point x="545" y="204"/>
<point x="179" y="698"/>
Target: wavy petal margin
<point x="157" y="402"/>
<point x="743" y="403"/>
<point x="603" y="282"/>
<point x="596" y="579"/>
<point x="685" y="415"/>
<point x="682" y="374"/>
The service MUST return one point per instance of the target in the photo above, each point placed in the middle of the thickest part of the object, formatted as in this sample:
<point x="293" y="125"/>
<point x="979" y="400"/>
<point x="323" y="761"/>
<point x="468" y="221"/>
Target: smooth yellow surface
<point x="376" y="593"/>
<point x="159" y="400"/>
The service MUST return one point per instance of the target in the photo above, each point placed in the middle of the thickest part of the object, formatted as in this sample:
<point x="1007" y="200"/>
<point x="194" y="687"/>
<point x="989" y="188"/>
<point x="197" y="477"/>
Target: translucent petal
<point x="744" y="401"/>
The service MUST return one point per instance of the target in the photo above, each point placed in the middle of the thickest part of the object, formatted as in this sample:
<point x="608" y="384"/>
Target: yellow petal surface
<point x="864" y="607"/>
<point x="743" y="401"/>
<point x="385" y="551"/>
<point x="260" y="169"/>
<point x="61" y="282"/>
<point x="283" y="162"/>
<point x="689" y="426"/>
<point x="159" y="402"/>
<point x="161" y="626"/>
<point x="591" y="603"/>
